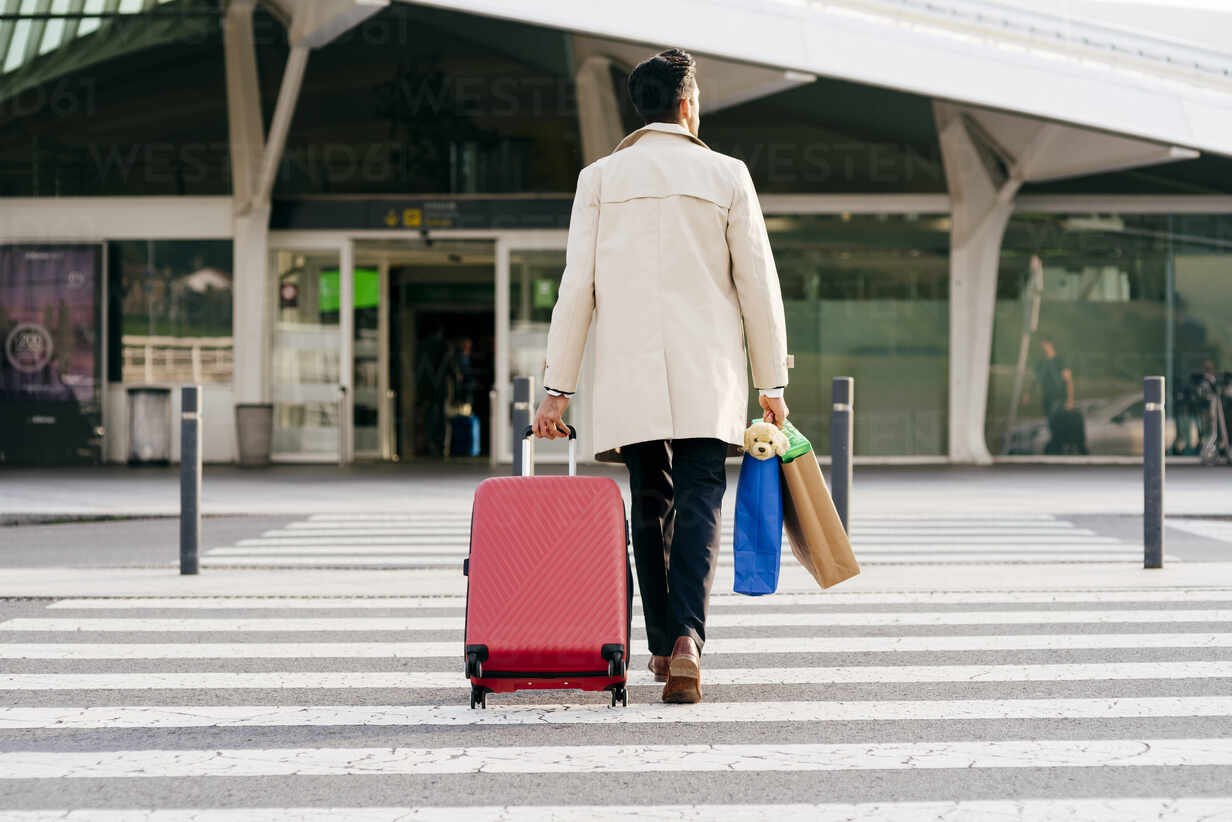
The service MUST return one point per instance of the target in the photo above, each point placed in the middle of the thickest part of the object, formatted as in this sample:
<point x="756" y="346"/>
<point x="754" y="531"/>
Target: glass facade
<point x="306" y="353"/>
<point x="418" y="100"/>
<point x="867" y="296"/>
<point x="534" y="279"/>
<point x="1087" y="305"/>
<point x="170" y="311"/>
<point x="125" y="105"/>
<point x="422" y="100"/>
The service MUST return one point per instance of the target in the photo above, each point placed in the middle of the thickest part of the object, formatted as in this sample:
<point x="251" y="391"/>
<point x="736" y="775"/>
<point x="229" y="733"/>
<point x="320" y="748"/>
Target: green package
<point x="797" y="443"/>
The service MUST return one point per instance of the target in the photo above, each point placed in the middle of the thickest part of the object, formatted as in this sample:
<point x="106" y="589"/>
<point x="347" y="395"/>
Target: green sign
<point x="367" y="290"/>
<point x="545" y="293"/>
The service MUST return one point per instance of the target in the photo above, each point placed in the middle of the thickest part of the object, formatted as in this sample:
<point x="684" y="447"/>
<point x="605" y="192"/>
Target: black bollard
<point x="190" y="477"/>
<point x="523" y="396"/>
<point x="841" y="431"/>
<point x="1153" y="473"/>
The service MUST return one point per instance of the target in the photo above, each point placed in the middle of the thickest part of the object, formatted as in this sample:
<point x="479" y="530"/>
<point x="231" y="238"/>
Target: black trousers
<point x="677" y="492"/>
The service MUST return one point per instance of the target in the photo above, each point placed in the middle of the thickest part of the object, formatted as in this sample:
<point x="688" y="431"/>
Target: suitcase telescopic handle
<point x="528" y="451"/>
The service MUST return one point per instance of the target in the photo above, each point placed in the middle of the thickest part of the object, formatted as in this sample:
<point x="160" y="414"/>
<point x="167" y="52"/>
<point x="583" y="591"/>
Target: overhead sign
<point x="423" y="214"/>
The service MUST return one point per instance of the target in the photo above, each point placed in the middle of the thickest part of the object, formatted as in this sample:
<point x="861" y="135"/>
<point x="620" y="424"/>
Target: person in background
<point x="1066" y="427"/>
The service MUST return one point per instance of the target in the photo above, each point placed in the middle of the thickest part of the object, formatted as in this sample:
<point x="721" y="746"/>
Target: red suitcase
<point x="549" y="587"/>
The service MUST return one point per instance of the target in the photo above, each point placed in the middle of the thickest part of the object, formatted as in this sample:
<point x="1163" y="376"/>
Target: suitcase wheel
<point x="621" y="694"/>
<point x="479" y="696"/>
<point x="615" y="657"/>
<point x="474" y="665"/>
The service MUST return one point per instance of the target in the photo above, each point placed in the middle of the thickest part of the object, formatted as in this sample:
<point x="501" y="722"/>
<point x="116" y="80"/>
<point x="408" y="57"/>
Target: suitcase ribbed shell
<point x="548" y="579"/>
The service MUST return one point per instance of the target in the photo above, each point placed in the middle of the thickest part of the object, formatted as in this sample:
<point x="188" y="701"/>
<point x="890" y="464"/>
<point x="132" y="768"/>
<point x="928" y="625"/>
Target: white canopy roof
<point x="973" y="52"/>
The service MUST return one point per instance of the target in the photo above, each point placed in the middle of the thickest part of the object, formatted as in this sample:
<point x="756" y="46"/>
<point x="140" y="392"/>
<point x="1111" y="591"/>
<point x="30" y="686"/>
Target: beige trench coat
<point x="668" y="250"/>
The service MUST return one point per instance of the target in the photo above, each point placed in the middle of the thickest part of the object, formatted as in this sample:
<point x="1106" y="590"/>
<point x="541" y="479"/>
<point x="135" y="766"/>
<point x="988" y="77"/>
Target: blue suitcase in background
<point x="464" y="436"/>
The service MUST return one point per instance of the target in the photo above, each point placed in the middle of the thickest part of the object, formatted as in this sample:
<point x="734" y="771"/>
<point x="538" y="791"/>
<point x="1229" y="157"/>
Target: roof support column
<point x="250" y="311"/>
<point x="598" y="108"/>
<point x="982" y="198"/>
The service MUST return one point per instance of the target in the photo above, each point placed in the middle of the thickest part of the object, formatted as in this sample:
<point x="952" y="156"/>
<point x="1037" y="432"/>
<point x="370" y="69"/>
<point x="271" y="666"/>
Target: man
<point x="668" y="249"/>
<point x="1066" y="427"/>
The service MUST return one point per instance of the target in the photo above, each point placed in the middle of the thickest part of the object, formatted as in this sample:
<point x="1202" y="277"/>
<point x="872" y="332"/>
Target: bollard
<point x="342" y="426"/>
<point x="523" y="396"/>
<point x="842" y="395"/>
<point x="190" y="477"/>
<point x="1153" y="473"/>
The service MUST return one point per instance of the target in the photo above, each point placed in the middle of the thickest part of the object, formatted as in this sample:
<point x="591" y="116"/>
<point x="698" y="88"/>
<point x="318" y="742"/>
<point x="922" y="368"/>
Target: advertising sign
<point x="50" y="363"/>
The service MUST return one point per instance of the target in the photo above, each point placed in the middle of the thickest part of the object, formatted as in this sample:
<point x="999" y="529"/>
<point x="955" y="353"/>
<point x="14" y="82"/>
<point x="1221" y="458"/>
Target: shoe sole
<point x="685" y="667"/>
<point x="689" y="696"/>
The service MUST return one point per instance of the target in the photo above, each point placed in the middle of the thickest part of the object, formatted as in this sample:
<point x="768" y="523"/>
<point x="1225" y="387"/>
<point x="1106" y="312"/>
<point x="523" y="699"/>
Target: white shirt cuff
<point x="553" y="392"/>
<point x="772" y="393"/>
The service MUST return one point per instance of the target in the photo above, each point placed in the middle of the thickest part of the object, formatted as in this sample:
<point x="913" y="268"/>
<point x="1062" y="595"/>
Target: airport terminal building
<point x="353" y="213"/>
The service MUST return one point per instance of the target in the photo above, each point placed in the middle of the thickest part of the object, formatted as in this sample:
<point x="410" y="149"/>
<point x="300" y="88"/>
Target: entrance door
<point x="424" y="355"/>
<point x="529" y="268"/>
<point x="307" y="391"/>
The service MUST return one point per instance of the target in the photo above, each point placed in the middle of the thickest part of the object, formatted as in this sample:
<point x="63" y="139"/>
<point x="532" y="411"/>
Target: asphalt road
<point x="162" y="713"/>
<point x="155" y="542"/>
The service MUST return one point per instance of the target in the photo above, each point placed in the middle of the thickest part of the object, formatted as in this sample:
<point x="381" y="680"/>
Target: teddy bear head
<point x="764" y="440"/>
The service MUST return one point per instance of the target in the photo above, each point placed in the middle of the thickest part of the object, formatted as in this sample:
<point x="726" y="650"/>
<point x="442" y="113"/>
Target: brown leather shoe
<point x="658" y="666"/>
<point x="682" y="690"/>
<point x="686" y="659"/>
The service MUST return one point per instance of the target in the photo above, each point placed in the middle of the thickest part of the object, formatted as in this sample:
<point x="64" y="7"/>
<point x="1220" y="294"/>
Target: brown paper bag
<point x="813" y="528"/>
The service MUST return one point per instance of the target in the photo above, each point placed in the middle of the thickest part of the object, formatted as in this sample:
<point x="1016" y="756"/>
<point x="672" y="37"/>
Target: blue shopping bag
<point x="758" y="539"/>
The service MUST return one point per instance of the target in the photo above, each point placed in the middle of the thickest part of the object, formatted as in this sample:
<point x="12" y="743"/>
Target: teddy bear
<point x="764" y="440"/>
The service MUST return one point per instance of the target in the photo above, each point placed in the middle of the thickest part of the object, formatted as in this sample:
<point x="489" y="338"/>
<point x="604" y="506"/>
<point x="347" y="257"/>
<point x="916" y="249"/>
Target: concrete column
<point x="981" y="202"/>
<point x="598" y="108"/>
<point x="251" y="306"/>
<point x="250" y="313"/>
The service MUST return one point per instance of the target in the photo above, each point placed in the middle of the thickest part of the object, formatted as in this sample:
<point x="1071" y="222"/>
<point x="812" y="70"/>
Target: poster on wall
<point x="50" y="363"/>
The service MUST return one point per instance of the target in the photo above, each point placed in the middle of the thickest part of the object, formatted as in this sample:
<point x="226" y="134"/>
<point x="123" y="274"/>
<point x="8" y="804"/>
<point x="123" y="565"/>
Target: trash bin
<point x="254" y="432"/>
<point x="149" y="425"/>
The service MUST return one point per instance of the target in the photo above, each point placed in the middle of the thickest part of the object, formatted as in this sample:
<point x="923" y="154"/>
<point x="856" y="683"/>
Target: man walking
<point x="669" y="251"/>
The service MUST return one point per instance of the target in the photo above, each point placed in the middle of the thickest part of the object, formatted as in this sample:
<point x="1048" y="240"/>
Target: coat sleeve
<point x="757" y="284"/>
<point x="575" y="301"/>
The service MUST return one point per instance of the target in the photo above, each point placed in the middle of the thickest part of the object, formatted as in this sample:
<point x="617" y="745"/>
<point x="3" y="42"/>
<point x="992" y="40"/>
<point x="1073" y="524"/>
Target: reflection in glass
<point x="306" y="353"/>
<point x="367" y="361"/>
<point x="1087" y="305"/>
<point x="534" y="279"/>
<point x="867" y="296"/>
<point x="170" y="311"/>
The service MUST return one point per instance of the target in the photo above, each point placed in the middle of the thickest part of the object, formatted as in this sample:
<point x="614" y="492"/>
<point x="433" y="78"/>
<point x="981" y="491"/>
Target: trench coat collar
<point x="666" y="128"/>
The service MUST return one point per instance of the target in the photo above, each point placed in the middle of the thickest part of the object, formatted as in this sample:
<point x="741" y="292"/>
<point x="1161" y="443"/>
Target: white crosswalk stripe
<point x="720" y="645"/>
<point x="259" y="716"/>
<point x="599" y="759"/>
<point x="718" y="600"/>
<point x="441" y="680"/>
<point x="1128" y="684"/>
<point x="1197" y="809"/>
<point x="442" y="540"/>
<point x="719" y="620"/>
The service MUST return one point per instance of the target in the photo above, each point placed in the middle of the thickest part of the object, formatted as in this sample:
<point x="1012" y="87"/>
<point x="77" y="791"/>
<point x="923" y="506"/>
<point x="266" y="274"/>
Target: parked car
<point x="1113" y="427"/>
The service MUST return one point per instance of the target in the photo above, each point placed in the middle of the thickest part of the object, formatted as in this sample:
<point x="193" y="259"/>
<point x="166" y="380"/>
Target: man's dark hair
<point x="659" y="84"/>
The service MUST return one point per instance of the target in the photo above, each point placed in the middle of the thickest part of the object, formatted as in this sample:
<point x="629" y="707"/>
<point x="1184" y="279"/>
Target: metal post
<point x="523" y="396"/>
<point x="843" y="390"/>
<point x="1153" y="473"/>
<point x="190" y="477"/>
<point x="342" y="425"/>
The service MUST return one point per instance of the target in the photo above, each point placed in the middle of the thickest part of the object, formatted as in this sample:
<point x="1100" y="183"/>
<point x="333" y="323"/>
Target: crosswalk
<point x="1017" y="704"/>
<point x="441" y="541"/>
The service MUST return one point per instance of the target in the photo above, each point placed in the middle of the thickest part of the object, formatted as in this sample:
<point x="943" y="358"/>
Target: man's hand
<point x="548" y="423"/>
<point x="774" y="410"/>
